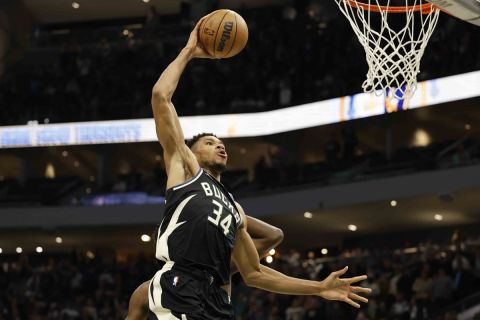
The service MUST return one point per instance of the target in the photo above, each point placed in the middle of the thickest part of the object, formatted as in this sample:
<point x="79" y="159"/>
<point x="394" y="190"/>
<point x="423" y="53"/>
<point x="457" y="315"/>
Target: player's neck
<point x="213" y="173"/>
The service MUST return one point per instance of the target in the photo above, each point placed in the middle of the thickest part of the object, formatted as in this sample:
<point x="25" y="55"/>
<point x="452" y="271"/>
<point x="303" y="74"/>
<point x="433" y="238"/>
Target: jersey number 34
<point x="219" y="218"/>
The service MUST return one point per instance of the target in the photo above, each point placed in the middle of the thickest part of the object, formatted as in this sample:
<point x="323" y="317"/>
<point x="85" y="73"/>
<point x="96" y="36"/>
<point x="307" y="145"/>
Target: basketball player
<point x="203" y="227"/>
<point x="264" y="236"/>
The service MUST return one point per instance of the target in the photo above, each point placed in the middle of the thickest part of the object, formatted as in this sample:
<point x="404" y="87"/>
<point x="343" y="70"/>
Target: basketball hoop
<point x="393" y="53"/>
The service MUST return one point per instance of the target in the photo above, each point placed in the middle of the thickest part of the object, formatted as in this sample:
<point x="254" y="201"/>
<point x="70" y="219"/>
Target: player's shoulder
<point x="181" y="178"/>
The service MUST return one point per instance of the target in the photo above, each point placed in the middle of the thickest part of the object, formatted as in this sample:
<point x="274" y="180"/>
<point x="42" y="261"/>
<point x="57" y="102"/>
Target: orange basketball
<point x="223" y="33"/>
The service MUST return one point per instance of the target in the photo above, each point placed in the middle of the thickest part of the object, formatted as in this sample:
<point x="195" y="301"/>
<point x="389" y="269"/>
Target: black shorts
<point x="176" y="294"/>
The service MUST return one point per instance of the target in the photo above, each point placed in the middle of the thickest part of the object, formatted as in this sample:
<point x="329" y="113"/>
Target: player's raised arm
<point x="169" y="131"/>
<point x="333" y="287"/>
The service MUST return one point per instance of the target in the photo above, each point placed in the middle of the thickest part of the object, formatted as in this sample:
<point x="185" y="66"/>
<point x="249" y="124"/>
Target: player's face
<point x="211" y="153"/>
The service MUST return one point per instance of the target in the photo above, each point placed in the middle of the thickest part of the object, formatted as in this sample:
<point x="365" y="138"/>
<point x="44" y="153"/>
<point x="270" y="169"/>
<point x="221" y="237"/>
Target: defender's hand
<point x="338" y="289"/>
<point x="194" y="47"/>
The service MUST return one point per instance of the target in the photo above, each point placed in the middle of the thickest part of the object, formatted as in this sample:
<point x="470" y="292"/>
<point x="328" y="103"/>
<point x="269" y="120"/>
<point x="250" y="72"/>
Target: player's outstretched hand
<point x="339" y="289"/>
<point x="194" y="45"/>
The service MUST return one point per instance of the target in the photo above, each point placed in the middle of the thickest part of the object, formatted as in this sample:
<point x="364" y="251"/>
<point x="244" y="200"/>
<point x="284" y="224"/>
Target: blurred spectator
<point x="400" y="309"/>
<point x="477" y="262"/>
<point x="422" y="284"/>
<point x="442" y="288"/>
<point x="332" y="150"/>
<point x="421" y="289"/>
<point x="270" y="169"/>
<point x="460" y="262"/>
<point x="153" y="18"/>
<point x="463" y="277"/>
<point x="296" y="311"/>
<point x="350" y="143"/>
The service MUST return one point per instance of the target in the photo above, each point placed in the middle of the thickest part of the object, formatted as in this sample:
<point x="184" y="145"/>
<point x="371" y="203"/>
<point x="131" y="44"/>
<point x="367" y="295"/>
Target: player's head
<point x="210" y="151"/>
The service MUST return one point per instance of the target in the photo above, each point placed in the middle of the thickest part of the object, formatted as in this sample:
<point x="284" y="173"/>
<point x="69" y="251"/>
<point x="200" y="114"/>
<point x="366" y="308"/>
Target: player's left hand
<point x="335" y="288"/>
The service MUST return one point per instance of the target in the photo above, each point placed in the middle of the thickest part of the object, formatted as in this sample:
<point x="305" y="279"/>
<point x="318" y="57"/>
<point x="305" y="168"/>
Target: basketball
<point x="223" y="33"/>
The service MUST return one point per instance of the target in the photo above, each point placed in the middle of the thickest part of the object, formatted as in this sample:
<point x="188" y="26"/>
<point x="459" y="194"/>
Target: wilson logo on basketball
<point x="209" y="32"/>
<point x="227" y="29"/>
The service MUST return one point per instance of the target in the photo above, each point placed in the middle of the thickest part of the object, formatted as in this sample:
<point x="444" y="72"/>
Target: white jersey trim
<point x="155" y="303"/>
<point x="188" y="182"/>
<point x="162" y="252"/>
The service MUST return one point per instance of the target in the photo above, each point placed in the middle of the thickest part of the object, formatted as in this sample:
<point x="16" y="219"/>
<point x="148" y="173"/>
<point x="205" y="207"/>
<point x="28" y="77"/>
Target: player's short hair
<point x="190" y="143"/>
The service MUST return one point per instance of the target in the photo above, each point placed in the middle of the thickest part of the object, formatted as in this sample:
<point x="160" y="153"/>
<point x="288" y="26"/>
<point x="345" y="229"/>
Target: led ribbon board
<point x="315" y="114"/>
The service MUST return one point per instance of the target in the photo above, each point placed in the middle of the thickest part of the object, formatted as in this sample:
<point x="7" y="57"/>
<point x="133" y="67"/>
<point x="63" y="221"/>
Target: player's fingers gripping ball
<point x="223" y="33"/>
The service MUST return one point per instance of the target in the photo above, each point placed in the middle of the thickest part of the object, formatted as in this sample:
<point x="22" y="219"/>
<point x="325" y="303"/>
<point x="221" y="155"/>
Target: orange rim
<point x="423" y="8"/>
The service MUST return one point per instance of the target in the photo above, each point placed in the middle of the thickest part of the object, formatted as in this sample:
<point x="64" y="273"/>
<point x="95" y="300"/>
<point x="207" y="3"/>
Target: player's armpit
<point x="180" y="163"/>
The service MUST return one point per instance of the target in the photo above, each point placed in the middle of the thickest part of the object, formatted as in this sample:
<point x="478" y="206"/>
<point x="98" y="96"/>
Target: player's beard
<point x="218" y="167"/>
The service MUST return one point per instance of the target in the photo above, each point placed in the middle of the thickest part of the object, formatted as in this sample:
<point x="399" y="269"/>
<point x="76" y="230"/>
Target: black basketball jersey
<point x="199" y="227"/>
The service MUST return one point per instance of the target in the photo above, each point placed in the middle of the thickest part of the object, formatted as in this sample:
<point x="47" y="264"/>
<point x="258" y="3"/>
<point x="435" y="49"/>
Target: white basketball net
<point x="393" y="56"/>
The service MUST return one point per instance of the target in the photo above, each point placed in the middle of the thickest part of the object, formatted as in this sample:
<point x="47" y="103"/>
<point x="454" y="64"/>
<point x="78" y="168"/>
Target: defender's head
<point x="210" y="151"/>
